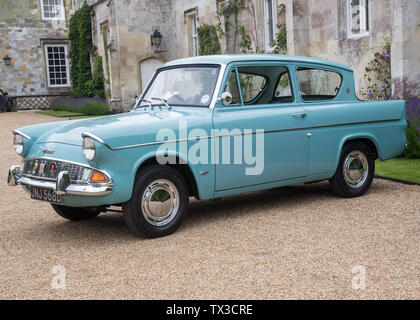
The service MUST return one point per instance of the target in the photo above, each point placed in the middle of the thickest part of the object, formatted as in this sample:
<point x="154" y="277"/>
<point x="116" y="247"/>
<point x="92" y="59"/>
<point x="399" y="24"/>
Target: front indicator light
<point x="98" y="176"/>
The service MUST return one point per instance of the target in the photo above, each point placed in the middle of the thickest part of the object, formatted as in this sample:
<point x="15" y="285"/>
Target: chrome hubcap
<point x="160" y="202"/>
<point x="355" y="169"/>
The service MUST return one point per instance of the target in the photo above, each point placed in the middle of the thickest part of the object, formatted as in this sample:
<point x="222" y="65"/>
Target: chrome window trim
<point x="218" y="85"/>
<point x="16" y="131"/>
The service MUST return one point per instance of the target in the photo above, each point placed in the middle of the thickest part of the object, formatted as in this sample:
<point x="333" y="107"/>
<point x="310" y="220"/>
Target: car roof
<point x="229" y="58"/>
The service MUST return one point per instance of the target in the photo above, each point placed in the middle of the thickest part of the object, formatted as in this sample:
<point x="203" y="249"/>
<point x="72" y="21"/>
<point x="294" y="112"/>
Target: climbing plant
<point x="378" y="74"/>
<point x="245" y="43"/>
<point x="208" y="40"/>
<point x="280" y="38"/>
<point x="80" y="35"/>
<point x="95" y="86"/>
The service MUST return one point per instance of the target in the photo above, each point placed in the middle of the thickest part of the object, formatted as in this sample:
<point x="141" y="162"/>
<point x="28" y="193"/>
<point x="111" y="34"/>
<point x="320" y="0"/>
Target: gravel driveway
<point x="295" y="242"/>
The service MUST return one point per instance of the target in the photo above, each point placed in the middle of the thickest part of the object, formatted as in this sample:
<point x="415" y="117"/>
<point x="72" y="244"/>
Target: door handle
<point x="299" y="115"/>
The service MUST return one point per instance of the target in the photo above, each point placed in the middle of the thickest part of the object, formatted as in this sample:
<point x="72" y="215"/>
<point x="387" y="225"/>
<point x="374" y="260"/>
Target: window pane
<point x="283" y="93"/>
<point x="185" y="86"/>
<point x="251" y="85"/>
<point x="355" y="16"/>
<point x="232" y="88"/>
<point x="318" y="84"/>
<point x="56" y="64"/>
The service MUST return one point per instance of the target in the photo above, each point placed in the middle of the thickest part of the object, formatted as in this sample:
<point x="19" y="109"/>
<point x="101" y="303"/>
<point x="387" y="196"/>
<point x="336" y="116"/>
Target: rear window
<point x="318" y="84"/>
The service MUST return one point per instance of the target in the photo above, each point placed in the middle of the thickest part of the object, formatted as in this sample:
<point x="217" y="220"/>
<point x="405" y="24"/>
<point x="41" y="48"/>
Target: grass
<point x="399" y="168"/>
<point x="67" y="114"/>
<point x="59" y="113"/>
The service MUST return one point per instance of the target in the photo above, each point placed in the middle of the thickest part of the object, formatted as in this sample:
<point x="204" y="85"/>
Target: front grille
<point x="49" y="169"/>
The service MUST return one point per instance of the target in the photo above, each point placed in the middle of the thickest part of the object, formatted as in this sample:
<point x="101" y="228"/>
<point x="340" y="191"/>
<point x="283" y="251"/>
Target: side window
<point x="283" y="92"/>
<point x="251" y="85"/>
<point x="232" y="87"/>
<point x="317" y="84"/>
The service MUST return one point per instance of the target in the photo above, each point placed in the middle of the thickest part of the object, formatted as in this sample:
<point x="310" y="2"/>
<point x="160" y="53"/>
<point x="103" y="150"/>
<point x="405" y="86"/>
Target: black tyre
<point x="159" y="202"/>
<point x="355" y="171"/>
<point x="75" y="214"/>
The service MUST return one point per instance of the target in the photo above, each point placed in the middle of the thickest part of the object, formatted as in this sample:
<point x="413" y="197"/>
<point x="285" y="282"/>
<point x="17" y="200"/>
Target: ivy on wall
<point x="378" y="74"/>
<point x="208" y="40"/>
<point x="280" y="38"/>
<point x="95" y="86"/>
<point x="80" y="35"/>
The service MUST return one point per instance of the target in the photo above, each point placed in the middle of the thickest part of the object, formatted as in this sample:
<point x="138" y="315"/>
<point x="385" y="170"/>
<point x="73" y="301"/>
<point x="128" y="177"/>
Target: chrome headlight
<point x="89" y="149"/>
<point x="18" y="144"/>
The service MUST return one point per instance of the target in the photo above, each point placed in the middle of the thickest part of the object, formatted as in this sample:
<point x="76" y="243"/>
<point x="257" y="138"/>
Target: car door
<point x="280" y="152"/>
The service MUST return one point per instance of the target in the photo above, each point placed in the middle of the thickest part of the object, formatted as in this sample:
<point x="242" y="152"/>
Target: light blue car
<point x="209" y="127"/>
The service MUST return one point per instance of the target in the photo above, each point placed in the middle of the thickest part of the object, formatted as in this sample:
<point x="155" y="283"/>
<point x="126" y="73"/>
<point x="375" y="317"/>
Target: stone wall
<point x="22" y="36"/>
<point x="316" y="28"/>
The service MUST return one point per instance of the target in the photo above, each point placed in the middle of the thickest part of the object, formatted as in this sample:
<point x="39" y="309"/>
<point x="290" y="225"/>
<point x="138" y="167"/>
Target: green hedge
<point x="80" y="35"/>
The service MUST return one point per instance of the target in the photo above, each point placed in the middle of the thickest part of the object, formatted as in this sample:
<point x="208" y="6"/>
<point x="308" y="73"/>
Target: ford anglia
<point x="209" y="127"/>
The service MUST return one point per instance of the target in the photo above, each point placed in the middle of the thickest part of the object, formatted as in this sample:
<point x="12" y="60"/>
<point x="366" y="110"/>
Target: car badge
<point x="48" y="151"/>
<point x="53" y="166"/>
<point x="42" y="168"/>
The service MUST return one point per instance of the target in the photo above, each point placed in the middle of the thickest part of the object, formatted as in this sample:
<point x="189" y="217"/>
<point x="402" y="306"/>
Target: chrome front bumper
<point x="61" y="186"/>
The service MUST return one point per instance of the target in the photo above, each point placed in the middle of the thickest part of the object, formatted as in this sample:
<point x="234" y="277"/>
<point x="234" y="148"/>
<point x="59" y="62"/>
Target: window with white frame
<point x="270" y="20"/>
<point x="57" y="65"/>
<point x="192" y="25"/>
<point x="357" y="18"/>
<point x="52" y="9"/>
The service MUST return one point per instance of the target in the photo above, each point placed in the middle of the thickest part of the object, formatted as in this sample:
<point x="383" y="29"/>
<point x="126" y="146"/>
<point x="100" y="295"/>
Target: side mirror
<point x="226" y="98"/>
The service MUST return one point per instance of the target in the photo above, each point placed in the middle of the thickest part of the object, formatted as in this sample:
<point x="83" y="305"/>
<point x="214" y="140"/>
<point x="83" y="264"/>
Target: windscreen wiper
<point x="145" y="100"/>
<point x="163" y="100"/>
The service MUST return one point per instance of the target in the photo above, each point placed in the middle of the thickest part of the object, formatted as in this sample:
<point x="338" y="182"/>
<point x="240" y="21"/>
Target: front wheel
<point x="355" y="171"/>
<point x="159" y="202"/>
<point x="75" y="214"/>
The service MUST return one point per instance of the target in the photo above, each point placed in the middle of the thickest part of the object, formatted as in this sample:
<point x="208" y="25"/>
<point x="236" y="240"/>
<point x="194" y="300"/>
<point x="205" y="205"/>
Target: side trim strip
<point x="87" y="134"/>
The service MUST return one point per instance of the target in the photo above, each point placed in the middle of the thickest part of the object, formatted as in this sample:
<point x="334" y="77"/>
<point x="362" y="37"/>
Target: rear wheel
<point x="159" y="202"/>
<point x="355" y="171"/>
<point x="75" y="214"/>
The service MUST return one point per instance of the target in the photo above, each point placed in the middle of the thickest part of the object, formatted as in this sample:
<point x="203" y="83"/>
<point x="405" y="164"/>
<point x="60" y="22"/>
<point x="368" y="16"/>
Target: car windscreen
<point x="182" y="86"/>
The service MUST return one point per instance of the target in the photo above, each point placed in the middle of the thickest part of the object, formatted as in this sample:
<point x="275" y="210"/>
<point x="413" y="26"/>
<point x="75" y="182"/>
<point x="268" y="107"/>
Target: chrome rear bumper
<point x="62" y="185"/>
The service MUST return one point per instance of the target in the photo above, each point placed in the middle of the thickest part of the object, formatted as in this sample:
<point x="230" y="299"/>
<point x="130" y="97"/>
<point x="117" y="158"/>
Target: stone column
<point x="405" y="46"/>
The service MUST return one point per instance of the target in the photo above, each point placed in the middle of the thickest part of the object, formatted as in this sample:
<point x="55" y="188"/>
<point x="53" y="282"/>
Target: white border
<point x="47" y="65"/>
<point x="274" y="17"/>
<point x="364" y="33"/>
<point x="61" y="17"/>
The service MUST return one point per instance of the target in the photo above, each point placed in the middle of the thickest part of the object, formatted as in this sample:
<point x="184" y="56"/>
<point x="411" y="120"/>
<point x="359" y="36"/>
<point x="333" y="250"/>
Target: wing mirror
<point x="226" y="98"/>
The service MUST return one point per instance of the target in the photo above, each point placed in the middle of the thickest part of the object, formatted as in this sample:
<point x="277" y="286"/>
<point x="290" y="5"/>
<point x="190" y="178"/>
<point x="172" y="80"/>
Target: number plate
<point x="45" y="195"/>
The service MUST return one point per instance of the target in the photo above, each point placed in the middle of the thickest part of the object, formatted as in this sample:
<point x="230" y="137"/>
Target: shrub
<point x="208" y="40"/>
<point x="88" y="106"/>
<point x="412" y="150"/>
<point x="80" y="35"/>
<point x="95" y="86"/>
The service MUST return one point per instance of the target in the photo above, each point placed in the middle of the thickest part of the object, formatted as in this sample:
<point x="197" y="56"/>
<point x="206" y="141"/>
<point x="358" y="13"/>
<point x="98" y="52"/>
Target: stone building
<point x="33" y="33"/>
<point x="346" y="31"/>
